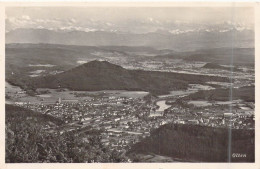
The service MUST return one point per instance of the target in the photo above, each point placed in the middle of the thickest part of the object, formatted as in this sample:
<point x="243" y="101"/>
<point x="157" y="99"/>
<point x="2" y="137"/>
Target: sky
<point x="130" y="19"/>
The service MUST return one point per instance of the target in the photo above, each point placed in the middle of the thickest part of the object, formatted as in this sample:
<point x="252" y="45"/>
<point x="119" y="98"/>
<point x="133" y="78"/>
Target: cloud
<point x="76" y="28"/>
<point x="109" y="24"/>
<point x="150" y="19"/>
<point x="26" y="17"/>
<point x="144" y="25"/>
<point x="40" y="27"/>
<point x="72" y="20"/>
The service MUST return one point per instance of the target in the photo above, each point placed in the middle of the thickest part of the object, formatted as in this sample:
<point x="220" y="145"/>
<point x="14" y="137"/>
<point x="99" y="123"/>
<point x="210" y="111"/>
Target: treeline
<point x="198" y="143"/>
<point x="28" y="142"/>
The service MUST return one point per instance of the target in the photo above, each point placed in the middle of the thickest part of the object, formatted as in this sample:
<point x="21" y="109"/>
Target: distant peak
<point x="101" y="63"/>
<point x="98" y="61"/>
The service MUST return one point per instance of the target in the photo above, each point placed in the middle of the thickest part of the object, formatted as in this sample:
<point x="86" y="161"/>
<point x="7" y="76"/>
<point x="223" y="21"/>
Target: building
<point x="227" y="115"/>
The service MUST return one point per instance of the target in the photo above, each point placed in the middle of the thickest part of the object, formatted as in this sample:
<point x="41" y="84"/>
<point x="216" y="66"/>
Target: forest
<point x="28" y="141"/>
<point x="198" y="143"/>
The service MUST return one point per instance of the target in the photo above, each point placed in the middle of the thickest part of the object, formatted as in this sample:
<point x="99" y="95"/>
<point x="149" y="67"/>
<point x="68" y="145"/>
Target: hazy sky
<point x="129" y="19"/>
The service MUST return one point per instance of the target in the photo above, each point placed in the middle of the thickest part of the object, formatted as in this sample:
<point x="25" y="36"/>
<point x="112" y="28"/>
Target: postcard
<point x="153" y="85"/>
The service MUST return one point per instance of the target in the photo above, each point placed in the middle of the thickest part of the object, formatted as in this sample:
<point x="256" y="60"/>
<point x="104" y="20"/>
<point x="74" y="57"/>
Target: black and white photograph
<point x="130" y="84"/>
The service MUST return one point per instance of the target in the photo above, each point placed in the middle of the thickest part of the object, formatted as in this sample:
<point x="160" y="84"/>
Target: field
<point x="46" y="95"/>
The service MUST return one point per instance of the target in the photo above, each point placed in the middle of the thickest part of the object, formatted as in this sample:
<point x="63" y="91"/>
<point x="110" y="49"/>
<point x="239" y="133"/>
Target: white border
<point x="128" y="165"/>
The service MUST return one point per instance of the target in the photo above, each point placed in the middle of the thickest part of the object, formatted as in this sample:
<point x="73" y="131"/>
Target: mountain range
<point x="159" y="39"/>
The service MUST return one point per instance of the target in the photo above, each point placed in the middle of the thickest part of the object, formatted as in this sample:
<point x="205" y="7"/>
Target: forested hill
<point x="102" y="75"/>
<point x="217" y="66"/>
<point x="246" y="93"/>
<point x="198" y="143"/>
<point x="15" y="114"/>
<point x="32" y="137"/>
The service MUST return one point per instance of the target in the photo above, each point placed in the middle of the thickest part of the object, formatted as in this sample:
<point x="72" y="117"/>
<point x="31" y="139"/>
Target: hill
<point x="22" y="59"/>
<point x="246" y="93"/>
<point x="217" y="66"/>
<point x="102" y="75"/>
<point x="225" y="56"/>
<point x="198" y="143"/>
<point x="15" y="114"/>
<point x="236" y="56"/>
<point x="29" y="140"/>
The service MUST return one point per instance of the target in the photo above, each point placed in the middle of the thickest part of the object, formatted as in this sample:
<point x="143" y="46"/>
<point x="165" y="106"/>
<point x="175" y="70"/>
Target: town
<point x="124" y="121"/>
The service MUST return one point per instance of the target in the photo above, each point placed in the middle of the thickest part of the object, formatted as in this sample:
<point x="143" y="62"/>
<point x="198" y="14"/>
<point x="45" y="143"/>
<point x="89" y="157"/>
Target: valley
<point x="128" y="95"/>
